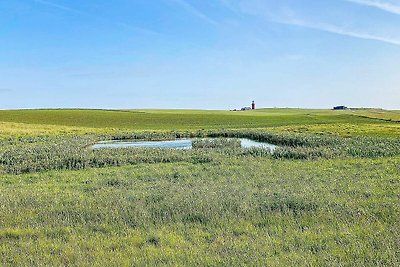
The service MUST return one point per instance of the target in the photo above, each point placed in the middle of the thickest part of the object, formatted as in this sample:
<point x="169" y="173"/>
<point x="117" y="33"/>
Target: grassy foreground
<point x="234" y="213"/>
<point x="329" y="197"/>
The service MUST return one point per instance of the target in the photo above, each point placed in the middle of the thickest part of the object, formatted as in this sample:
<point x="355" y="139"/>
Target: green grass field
<point x="329" y="196"/>
<point x="36" y="122"/>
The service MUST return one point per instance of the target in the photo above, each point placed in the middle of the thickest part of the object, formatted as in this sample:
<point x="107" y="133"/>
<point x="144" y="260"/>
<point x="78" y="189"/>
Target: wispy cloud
<point x="196" y="12"/>
<point x="383" y="5"/>
<point x="119" y="24"/>
<point x="58" y="6"/>
<point x="227" y="4"/>
<point x="339" y="30"/>
<point x="139" y="29"/>
<point x="286" y="15"/>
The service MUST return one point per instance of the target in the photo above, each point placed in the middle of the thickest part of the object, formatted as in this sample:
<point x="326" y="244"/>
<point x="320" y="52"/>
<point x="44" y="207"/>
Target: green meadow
<point x="328" y="196"/>
<point x="17" y="122"/>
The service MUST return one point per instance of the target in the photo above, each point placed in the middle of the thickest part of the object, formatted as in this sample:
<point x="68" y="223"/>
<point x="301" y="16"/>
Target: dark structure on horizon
<point x="253" y="107"/>
<point x="340" y="108"/>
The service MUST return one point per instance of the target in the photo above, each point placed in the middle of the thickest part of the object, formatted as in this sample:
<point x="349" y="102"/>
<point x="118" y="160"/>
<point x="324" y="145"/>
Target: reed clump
<point x="35" y="154"/>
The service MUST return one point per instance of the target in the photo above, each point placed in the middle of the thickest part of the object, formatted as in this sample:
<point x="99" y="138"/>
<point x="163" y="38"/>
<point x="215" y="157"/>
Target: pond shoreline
<point x="178" y="143"/>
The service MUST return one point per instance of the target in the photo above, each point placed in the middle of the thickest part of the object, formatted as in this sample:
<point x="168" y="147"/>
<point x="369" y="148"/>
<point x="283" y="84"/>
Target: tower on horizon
<point x="253" y="105"/>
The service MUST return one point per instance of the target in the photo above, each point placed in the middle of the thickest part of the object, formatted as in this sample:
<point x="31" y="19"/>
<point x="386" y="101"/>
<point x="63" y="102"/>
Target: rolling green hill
<point x="184" y="119"/>
<point x="56" y="121"/>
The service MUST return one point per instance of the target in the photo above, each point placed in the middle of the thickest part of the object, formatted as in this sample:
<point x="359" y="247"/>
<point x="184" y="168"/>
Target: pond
<point x="175" y="144"/>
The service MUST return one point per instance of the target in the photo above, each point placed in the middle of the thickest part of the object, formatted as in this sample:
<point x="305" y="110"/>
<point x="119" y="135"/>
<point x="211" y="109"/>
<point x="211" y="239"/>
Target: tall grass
<point x="317" y="200"/>
<point x="25" y="155"/>
<point x="240" y="211"/>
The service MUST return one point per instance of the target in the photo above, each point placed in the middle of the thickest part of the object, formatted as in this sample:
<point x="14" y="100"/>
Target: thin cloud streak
<point x="195" y="12"/>
<point x="58" y="6"/>
<point x="337" y="30"/>
<point x="382" y="5"/>
<point x="227" y="4"/>
<point x="119" y="24"/>
<point x="289" y="18"/>
<point x="139" y="29"/>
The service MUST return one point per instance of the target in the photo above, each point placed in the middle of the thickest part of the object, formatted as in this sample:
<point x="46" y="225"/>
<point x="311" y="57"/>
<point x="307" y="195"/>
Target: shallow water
<point x="174" y="144"/>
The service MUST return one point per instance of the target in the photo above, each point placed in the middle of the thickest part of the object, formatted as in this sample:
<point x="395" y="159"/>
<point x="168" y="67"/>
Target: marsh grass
<point x="318" y="200"/>
<point x="216" y="143"/>
<point x="26" y="155"/>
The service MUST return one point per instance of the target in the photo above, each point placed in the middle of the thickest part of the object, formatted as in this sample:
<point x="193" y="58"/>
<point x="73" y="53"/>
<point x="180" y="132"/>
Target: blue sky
<point x="210" y="54"/>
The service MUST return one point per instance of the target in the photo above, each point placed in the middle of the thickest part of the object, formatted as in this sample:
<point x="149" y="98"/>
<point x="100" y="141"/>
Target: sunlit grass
<point x="329" y="196"/>
<point x="248" y="211"/>
<point x="12" y="129"/>
<point x="344" y="129"/>
<point x="183" y="120"/>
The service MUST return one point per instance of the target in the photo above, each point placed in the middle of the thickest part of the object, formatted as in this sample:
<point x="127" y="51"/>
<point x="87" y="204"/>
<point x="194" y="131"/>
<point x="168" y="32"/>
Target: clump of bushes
<point x="217" y="143"/>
